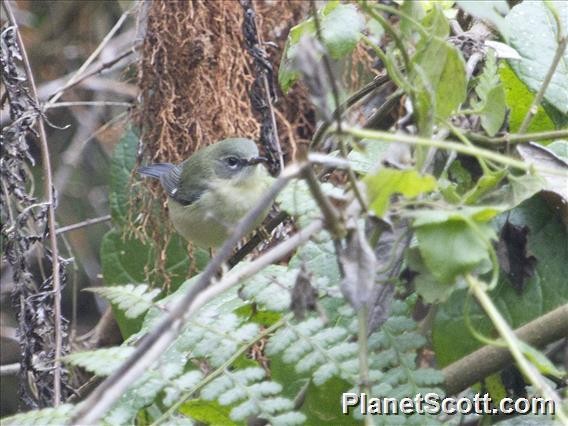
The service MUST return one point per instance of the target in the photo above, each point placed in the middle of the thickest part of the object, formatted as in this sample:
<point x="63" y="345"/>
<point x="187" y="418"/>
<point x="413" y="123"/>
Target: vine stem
<point x="562" y="42"/>
<point x="519" y="138"/>
<point x="478" y="288"/>
<point x="48" y="188"/>
<point x="449" y="145"/>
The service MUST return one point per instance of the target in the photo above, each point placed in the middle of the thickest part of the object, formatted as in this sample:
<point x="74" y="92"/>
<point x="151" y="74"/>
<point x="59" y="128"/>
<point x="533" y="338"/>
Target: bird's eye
<point x="232" y="162"/>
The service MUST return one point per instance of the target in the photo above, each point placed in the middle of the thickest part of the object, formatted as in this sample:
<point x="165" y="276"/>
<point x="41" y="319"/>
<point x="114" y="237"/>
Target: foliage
<point x="406" y="229"/>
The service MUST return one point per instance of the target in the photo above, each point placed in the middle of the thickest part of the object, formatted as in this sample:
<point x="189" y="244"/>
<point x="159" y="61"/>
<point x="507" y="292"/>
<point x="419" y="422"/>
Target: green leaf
<point x="369" y="157"/>
<point x="533" y="33"/>
<point x="541" y="361"/>
<point x="449" y="245"/>
<point x="492" y="97"/>
<point x="341" y="29"/>
<point x="341" y="26"/>
<point x="435" y="22"/>
<point x="122" y="164"/>
<point x="544" y="291"/>
<point x="321" y="405"/>
<point x="560" y="148"/>
<point x="427" y="286"/>
<point x="387" y="182"/>
<point x="208" y="412"/>
<point x="444" y="70"/>
<point x="519" y="99"/>
<point x="126" y="260"/>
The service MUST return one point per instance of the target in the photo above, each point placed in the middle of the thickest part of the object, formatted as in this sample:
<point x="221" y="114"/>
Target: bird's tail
<point x="155" y="171"/>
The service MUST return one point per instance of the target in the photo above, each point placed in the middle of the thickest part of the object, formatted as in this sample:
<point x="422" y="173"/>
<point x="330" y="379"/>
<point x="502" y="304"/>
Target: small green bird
<point x="213" y="189"/>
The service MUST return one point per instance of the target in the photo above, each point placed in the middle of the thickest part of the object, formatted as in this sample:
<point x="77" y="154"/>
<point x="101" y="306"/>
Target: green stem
<point x="390" y="30"/>
<point x="478" y="289"/>
<point x="562" y="42"/>
<point x="519" y="138"/>
<point x="449" y="145"/>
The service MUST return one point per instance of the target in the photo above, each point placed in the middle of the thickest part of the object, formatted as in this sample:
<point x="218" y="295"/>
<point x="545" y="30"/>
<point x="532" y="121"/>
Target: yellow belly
<point x="210" y="220"/>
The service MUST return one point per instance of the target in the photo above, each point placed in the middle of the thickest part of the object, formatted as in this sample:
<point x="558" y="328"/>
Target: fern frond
<point x="134" y="300"/>
<point x="47" y="416"/>
<point x="312" y="346"/>
<point x="101" y="362"/>
<point x="254" y="396"/>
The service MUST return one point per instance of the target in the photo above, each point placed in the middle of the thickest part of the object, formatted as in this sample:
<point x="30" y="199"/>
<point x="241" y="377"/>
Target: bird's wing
<point x="170" y="178"/>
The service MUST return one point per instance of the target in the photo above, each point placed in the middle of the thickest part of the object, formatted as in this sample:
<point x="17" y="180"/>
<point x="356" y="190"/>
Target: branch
<point x="9" y="369"/>
<point x="48" y="189"/>
<point x="157" y="341"/>
<point x="77" y="76"/>
<point x="264" y="73"/>
<point x="487" y="360"/>
<point x="82" y="224"/>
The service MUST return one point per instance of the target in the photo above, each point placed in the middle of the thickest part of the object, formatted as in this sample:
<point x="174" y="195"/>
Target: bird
<point x="211" y="191"/>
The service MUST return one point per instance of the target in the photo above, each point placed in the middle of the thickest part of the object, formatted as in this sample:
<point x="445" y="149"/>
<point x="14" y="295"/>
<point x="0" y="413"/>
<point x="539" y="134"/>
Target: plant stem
<point x="562" y="41"/>
<point x="449" y="145"/>
<point x="478" y="289"/>
<point x="519" y="138"/>
<point x="48" y="189"/>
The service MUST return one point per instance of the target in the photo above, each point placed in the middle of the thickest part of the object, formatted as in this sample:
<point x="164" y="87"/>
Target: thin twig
<point x="88" y="103"/>
<point x="332" y="219"/>
<point x="338" y="110"/>
<point x="9" y="369"/>
<point x="48" y="189"/>
<point x="82" y="224"/>
<point x="99" y="69"/>
<point x="75" y="78"/>
<point x="157" y="341"/>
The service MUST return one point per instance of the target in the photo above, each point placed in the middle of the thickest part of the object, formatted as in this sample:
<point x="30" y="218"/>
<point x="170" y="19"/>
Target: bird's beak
<point x="257" y="160"/>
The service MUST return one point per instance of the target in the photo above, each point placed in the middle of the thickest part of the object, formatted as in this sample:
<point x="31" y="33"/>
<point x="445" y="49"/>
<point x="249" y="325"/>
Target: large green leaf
<point x="387" y="182"/>
<point x="519" y="99"/>
<point x="341" y="29"/>
<point x="454" y="243"/>
<point x="543" y="292"/>
<point x="532" y="32"/>
<point x="128" y="260"/>
<point x="123" y="162"/>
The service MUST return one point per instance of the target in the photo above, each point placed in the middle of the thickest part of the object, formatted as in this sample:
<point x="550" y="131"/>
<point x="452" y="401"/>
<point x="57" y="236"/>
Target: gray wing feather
<point x="169" y="176"/>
